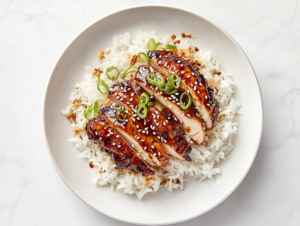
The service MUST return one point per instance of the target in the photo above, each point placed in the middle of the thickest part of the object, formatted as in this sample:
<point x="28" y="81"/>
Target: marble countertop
<point x="33" y="33"/>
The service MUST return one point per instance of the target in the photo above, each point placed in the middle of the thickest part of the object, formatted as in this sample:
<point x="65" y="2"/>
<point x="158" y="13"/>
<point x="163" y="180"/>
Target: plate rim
<point x="159" y="6"/>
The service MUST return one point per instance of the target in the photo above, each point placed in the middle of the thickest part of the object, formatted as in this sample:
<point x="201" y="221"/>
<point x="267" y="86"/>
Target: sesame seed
<point x="127" y="102"/>
<point x="157" y="124"/>
<point x="133" y="119"/>
<point x="170" y="98"/>
<point x="126" y="120"/>
<point x="143" y="131"/>
<point x="156" y="88"/>
<point x="152" y="146"/>
<point x="200" y="84"/>
<point x="188" y="115"/>
<point x="178" y="103"/>
<point x="137" y="126"/>
<point x="121" y="99"/>
<point x="144" y="123"/>
<point x="178" y="61"/>
<point x="142" y="140"/>
<point x="195" y="88"/>
<point x="96" y="133"/>
<point x="100" y="138"/>
<point x="146" y="128"/>
<point x="139" y="130"/>
<point x="159" y="62"/>
<point x="137" y="118"/>
<point x="108" y="135"/>
<point x="132" y="94"/>
<point x="154" y="154"/>
<point x="132" y="145"/>
<point x="170" y="106"/>
<point x="182" y="72"/>
<point x="159" y="153"/>
<point x="154" y="133"/>
<point x="198" y="91"/>
<point x="158" y="137"/>
<point x="192" y="73"/>
<point x="113" y="144"/>
<point x="208" y="104"/>
<point x="188" y="76"/>
<point x="118" y="98"/>
<point x="164" y="123"/>
<point x="145" y="148"/>
<point x="119" y="146"/>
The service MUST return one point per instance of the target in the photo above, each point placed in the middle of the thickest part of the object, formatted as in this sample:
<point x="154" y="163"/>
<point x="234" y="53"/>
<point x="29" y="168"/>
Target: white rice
<point x="218" y="142"/>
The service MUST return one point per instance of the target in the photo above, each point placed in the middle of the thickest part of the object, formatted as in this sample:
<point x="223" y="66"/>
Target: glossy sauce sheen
<point x="155" y="124"/>
<point x="112" y="143"/>
<point x="178" y="65"/>
<point x="153" y="150"/>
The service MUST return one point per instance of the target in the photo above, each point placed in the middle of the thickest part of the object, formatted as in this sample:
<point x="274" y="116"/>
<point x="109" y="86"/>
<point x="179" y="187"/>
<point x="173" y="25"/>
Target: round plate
<point x="162" y="207"/>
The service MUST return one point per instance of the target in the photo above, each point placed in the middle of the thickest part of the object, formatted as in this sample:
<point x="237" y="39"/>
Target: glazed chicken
<point x="190" y="123"/>
<point x="100" y="130"/>
<point x="168" y="62"/>
<point x="137" y="138"/>
<point x="144" y="122"/>
<point x="128" y="94"/>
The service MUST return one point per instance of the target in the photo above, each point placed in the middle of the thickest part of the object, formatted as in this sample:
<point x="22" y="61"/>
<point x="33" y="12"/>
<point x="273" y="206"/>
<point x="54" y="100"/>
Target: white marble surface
<point x="32" y="35"/>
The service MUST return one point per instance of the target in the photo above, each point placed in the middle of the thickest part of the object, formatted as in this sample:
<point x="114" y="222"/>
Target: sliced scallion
<point x="152" y="45"/>
<point x="175" y="80"/>
<point x="142" y="111"/>
<point x="146" y="57"/>
<point x="87" y="111"/>
<point x="159" y="106"/>
<point x="152" y="78"/>
<point x="128" y="71"/>
<point x="144" y="98"/>
<point x="118" y="116"/>
<point x="160" y="81"/>
<point x="150" y="104"/>
<point x="112" y="73"/>
<point x="169" y="89"/>
<point x="100" y="83"/>
<point x="183" y="105"/>
<point x="171" y="47"/>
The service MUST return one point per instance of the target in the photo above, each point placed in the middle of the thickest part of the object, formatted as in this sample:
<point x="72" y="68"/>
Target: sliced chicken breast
<point x="146" y="147"/>
<point x="190" y="123"/>
<point x="99" y="130"/>
<point x="127" y="94"/>
<point x="168" y="62"/>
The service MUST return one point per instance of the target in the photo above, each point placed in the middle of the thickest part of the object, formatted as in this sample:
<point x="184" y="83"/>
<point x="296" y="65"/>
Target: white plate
<point x="162" y="207"/>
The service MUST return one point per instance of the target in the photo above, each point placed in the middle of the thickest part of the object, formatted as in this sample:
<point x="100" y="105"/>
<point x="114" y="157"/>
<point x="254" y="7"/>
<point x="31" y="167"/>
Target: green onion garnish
<point x="175" y="80"/>
<point x="159" y="106"/>
<point x="160" y="81"/>
<point x="128" y="71"/>
<point x="152" y="45"/>
<point x="100" y="83"/>
<point x="87" y="111"/>
<point x="111" y="73"/>
<point x="186" y="106"/>
<point x="142" y="111"/>
<point x="152" y="78"/>
<point x="150" y="104"/>
<point x="118" y="115"/>
<point x="169" y="89"/>
<point x="145" y="55"/>
<point x="144" y="98"/>
<point x="171" y="47"/>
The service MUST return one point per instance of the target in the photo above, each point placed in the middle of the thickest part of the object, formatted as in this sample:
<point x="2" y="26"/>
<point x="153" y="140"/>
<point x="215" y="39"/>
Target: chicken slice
<point x="148" y="149"/>
<point x="99" y="130"/>
<point x="127" y="94"/>
<point x="190" y="123"/>
<point x="203" y="96"/>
